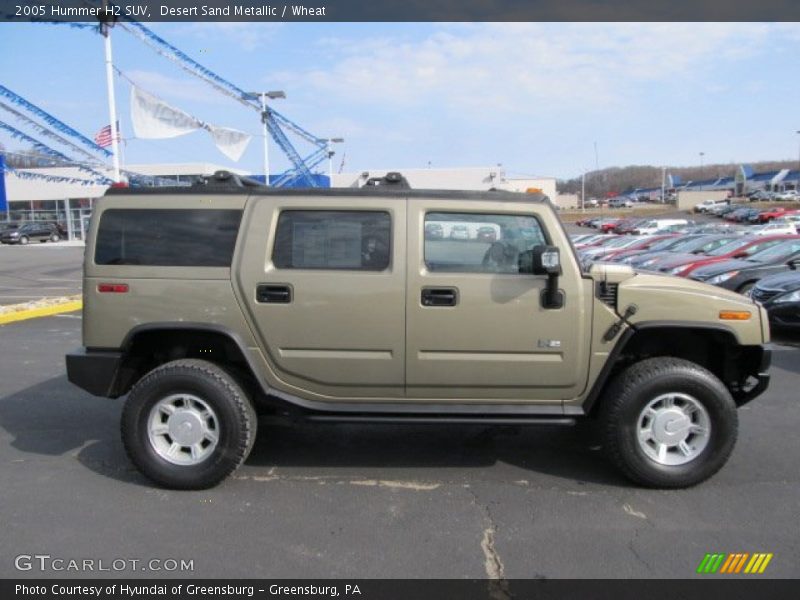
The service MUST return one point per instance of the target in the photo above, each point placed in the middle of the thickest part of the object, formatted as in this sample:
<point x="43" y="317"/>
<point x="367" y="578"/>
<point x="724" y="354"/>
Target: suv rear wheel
<point x="188" y="424"/>
<point x="668" y="423"/>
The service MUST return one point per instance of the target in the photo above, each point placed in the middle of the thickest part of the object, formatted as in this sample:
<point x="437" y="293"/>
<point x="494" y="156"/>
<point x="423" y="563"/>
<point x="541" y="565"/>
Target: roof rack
<point x="392" y="178"/>
<point x="227" y="179"/>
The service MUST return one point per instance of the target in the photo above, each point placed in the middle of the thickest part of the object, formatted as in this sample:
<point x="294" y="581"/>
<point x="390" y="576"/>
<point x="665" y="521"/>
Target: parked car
<point x="742" y="247"/>
<point x="768" y="214"/>
<point x="620" y="202"/>
<point x="741" y="275"/>
<point x="29" y="232"/>
<point x="707" y="205"/>
<point x="433" y="231"/>
<point x="650" y="243"/>
<point x="701" y="247"/>
<point x="652" y="226"/>
<point x="487" y="234"/>
<point x="780" y="295"/>
<point x="628" y="225"/>
<point x="459" y="232"/>
<point x="361" y="340"/>
<point x="722" y="211"/>
<point x="589" y="255"/>
<point x="788" y="195"/>
<point x="777" y="226"/>
<point x="688" y="244"/>
<point x="609" y="226"/>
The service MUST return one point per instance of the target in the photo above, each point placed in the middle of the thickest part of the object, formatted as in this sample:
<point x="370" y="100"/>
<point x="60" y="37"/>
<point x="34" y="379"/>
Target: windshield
<point x="777" y="253"/>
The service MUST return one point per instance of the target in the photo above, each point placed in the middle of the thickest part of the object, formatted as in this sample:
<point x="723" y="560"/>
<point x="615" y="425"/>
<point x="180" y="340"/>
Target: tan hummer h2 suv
<point x="209" y="304"/>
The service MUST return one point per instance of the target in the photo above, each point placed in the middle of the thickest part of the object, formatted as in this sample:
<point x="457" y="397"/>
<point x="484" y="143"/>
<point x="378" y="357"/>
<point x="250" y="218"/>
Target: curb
<point x="65" y="304"/>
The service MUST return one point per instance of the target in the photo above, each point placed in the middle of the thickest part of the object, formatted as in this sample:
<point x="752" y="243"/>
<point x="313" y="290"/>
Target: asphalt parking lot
<point x="378" y="501"/>
<point x="39" y="271"/>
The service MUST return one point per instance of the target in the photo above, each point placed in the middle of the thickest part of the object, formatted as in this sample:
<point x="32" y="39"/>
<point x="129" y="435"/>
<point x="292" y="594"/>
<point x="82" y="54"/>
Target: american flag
<point x="103" y="137"/>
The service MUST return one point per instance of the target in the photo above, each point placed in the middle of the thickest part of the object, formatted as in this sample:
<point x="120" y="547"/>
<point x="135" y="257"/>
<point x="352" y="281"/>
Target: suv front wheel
<point x="188" y="424"/>
<point x="668" y="423"/>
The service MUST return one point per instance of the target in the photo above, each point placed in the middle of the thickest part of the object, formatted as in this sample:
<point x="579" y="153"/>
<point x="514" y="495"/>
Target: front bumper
<point x="94" y="370"/>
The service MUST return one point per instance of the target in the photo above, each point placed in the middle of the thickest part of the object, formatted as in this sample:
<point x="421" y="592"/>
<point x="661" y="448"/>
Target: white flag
<point x="230" y="142"/>
<point x="155" y="119"/>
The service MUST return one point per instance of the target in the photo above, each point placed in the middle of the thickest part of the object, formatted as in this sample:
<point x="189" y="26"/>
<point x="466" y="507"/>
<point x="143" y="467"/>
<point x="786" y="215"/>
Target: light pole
<point x="583" y="191"/>
<point x="264" y="119"/>
<point x="702" y="154"/>
<point x="331" y="141"/>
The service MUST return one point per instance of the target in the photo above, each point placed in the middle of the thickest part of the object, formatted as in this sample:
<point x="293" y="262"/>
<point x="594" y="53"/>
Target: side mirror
<point x="544" y="260"/>
<point x="541" y="260"/>
<point x="794" y="263"/>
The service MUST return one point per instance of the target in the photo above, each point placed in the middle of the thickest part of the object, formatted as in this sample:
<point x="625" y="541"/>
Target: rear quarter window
<point x="167" y="237"/>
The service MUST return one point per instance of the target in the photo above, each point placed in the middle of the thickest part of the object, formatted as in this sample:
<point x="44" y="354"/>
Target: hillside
<point x="620" y="179"/>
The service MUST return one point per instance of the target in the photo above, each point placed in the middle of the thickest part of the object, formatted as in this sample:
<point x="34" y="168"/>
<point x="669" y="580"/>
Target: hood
<point x="667" y="299"/>
<point x="708" y="271"/>
<point x="782" y="282"/>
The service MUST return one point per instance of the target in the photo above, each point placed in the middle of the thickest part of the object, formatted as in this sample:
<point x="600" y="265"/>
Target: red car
<point x="766" y="216"/>
<point x="640" y="246"/>
<point x="610" y="226"/>
<point x="742" y="248"/>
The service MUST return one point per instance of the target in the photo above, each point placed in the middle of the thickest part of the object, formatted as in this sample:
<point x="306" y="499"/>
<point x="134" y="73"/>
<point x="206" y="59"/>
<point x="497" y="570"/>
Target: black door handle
<point x="439" y="296"/>
<point x="273" y="294"/>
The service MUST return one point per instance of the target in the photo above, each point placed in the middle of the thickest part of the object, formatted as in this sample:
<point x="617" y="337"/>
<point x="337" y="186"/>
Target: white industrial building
<point x="456" y="178"/>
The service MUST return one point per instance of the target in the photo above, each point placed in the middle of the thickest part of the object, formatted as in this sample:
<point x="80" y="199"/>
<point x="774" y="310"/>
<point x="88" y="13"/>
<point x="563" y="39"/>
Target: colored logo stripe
<point x="734" y="563"/>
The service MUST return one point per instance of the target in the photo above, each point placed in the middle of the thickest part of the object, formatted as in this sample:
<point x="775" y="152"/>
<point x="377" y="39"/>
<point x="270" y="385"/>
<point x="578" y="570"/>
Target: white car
<point x="776" y="227"/>
<point x="653" y="226"/>
<point x="707" y="205"/>
<point x="791" y="195"/>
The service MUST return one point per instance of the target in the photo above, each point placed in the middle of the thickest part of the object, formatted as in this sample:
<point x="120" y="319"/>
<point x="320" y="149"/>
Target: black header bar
<point x="401" y="10"/>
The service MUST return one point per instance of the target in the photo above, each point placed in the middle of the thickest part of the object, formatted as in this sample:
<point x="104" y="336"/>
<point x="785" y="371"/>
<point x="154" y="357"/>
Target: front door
<point x="477" y="330"/>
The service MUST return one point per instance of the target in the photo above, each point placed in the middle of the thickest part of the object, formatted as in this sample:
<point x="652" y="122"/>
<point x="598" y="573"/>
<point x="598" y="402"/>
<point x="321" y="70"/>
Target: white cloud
<point x="529" y="68"/>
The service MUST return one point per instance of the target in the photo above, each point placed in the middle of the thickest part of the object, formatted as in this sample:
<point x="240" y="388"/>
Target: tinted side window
<point x="167" y="237"/>
<point x="479" y="243"/>
<point x="331" y="239"/>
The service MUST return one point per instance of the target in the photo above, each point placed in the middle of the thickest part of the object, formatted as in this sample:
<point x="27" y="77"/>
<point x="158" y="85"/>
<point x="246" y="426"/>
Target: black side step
<point x="428" y="419"/>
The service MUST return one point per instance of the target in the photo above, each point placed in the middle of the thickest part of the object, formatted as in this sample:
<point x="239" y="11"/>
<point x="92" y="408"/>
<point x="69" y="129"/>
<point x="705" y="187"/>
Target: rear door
<point x="323" y="281"/>
<point x="477" y="330"/>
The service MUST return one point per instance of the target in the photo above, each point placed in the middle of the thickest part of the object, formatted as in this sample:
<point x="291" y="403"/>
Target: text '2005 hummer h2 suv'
<point x="206" y="304"/>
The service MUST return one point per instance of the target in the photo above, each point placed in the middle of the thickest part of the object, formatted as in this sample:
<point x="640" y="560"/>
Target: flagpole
<point x="105" y="29"/>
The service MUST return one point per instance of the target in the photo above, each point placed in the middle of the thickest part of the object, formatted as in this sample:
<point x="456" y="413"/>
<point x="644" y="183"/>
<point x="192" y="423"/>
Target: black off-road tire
<point x="642" y="382"/>
<point x="217" y="388"/>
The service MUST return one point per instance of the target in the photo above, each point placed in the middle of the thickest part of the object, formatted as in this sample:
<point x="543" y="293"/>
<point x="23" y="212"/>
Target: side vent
<point x="607" y="293"/>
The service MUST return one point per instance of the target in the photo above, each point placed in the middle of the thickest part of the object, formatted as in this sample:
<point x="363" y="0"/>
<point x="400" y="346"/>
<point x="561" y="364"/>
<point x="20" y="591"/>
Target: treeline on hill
<point x="622" y="179"/>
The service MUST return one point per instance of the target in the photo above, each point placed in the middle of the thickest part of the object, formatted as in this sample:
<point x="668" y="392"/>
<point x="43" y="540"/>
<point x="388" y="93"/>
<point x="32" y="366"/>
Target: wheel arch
<point x="150" y="345"/>
<point x="712" y="346"/>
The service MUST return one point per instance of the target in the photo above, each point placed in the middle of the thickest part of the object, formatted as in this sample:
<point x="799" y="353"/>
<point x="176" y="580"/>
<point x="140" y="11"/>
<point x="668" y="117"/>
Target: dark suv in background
<point x="31" y="232"/>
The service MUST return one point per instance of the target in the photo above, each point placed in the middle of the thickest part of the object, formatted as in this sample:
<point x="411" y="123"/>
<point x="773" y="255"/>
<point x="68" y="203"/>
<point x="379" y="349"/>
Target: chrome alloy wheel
<point x="673" y="429"/>
<point x="183" y="429"/>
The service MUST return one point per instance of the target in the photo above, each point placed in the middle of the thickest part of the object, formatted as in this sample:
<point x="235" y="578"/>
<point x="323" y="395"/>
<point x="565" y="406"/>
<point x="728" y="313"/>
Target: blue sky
<point x="533" y="97"/>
